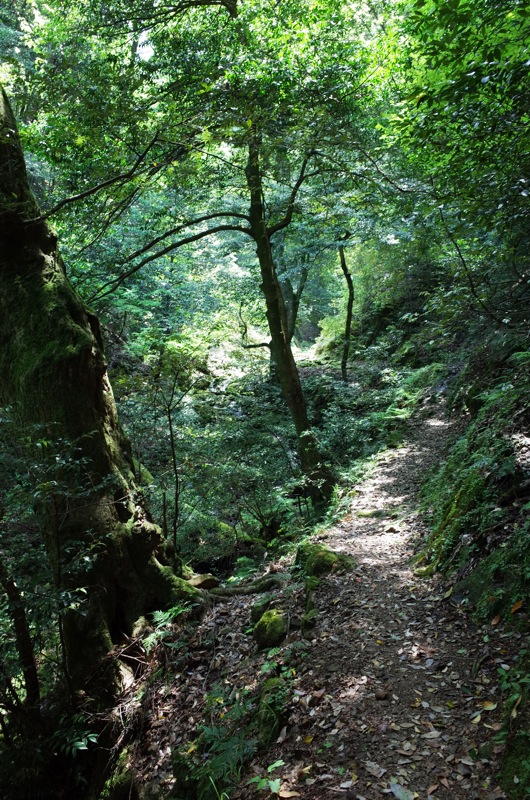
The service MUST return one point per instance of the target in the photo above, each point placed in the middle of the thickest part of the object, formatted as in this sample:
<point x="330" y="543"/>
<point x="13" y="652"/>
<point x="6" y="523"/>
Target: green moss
<point x="315" y="559"/>
<point x="142" y="474"/>
<point x="514" y="775"/>
<point x="259" y="608"/>
<point x="502" y="578"/>
<point x="271" y="629"/>
<point x="122" y="784"/>
<point x="459" y="514"/>
<point x="165" y="584"/>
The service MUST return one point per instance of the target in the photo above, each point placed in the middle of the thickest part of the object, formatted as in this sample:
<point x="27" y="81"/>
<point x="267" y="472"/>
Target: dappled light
<point x="264" y="400"/>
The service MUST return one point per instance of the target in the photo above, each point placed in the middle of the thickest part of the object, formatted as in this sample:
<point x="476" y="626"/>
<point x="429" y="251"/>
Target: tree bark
<point x="318" y="476"/>
<point x="349" y="314"/>
<point x="17" y="610"/>
<point x="292" y="298"/>
<point x="97" y="532"/>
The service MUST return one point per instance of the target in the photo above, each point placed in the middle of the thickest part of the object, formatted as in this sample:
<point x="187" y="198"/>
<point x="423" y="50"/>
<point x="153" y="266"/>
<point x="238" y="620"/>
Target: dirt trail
<point x="406" y="670"/>
<point x="386" y="692"/>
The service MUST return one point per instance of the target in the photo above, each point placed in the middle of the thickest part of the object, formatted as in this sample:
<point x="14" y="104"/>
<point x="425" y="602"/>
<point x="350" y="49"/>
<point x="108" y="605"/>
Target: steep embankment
<point x="394" y="690"/>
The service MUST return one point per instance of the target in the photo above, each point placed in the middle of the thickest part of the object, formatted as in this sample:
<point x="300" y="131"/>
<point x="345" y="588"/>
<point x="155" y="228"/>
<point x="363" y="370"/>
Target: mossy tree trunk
<point x="98" y="535"/>
<point x="317" y="474"/>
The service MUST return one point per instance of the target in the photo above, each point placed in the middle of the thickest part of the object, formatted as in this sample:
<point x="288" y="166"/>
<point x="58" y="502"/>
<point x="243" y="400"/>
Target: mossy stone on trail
<point x="271" y="629"/>
<point x="258" y="609"/>
<point x="316" y="559"/>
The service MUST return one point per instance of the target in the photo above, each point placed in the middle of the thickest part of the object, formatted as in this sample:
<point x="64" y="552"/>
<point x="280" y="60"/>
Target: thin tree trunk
<point x="349" y="313"/>
<point x="23" y="640"/>
<point x="53" y="372"/>
<point x="291" y="299"/>
<point x="320" y="481"/>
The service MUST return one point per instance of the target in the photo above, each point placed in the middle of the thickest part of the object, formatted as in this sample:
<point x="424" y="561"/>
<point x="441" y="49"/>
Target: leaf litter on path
<point x="395" y="690"/>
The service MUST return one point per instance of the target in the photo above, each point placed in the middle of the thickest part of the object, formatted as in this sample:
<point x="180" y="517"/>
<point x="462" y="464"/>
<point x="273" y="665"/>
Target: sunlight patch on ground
<point x="436" y="423"/>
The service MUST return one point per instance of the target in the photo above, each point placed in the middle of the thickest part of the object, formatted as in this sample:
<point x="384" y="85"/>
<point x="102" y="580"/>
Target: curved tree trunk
<point x="349" y="314"/>
<point x="98" y="535"/>
<point x="318" y="475"/>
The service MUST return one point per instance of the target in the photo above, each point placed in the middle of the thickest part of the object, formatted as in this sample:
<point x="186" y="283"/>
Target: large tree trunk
<point x="319" y="477"/>
<point x="97" y="532"/>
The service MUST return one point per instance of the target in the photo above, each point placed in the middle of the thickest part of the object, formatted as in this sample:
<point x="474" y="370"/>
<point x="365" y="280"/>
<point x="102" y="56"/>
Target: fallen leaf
<point x="432" y="788"/>
<point x="516" y="606"/>
<point x="444" y="782"/>
<point x="374" y="769"/>
<point x="283" y="736"/>
<point x="513" y="713"/>
<point x="489" y="706"/>
<point x="496" y="620"/>
<point x="434" y="734"/>
<point x="400" y="792"/>
<point x="475" y="720"/>
<point x="288" y="793"/>
<point x="303" y="772"/>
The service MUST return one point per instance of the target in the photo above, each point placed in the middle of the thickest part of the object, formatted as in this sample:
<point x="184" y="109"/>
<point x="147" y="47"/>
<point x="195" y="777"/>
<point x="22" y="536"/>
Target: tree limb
<point x="244" y="334"/>
<point x="124" y="176"/>
<point x="185" y="225"/>
<point x="469" y="276"/>
<point x="114" y="283"/>
<point x="290" y="207"/>
<point x="386" y="177"/>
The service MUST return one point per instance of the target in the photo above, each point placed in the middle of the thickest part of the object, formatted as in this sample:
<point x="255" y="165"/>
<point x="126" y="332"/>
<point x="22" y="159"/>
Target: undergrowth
<point x="477" y="504"/>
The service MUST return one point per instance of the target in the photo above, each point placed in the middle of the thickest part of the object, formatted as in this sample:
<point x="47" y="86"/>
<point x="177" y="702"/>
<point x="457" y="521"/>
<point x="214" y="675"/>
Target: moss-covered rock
<point x="316" y="559"/>
<point x="259" y="608"/>
<point x="204" y="581"/>
<point x="271" y="629"/>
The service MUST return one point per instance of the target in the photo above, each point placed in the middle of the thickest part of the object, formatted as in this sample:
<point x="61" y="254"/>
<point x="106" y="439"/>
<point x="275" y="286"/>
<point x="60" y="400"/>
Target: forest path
<point x="395" y="692"/>
<point x="405" y="671"/>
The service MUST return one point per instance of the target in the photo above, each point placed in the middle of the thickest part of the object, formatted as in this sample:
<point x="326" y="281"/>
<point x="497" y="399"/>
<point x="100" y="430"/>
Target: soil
<point x="395" y="691"/>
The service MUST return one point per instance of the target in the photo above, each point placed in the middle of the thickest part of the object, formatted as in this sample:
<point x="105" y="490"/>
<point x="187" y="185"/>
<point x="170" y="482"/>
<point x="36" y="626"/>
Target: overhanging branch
<point x="184" y="225"/>
<point x="292" y="199"/>
<point x="124" y="176"/>
<point x="114" y="283"/>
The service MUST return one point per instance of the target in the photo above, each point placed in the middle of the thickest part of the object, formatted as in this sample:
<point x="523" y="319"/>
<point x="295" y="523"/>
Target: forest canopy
<point x="242" y="245"/>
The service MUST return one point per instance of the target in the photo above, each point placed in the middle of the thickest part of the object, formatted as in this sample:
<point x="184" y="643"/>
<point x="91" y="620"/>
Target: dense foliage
<point x="398" y="133"/>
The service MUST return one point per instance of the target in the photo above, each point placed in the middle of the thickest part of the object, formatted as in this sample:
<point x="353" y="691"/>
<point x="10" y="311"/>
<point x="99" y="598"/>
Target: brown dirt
<point x="394" y="692"/>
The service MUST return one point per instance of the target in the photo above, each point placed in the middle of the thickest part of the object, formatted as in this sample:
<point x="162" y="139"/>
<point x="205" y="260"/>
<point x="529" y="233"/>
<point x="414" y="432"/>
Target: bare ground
<point x="394" y="692"/>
